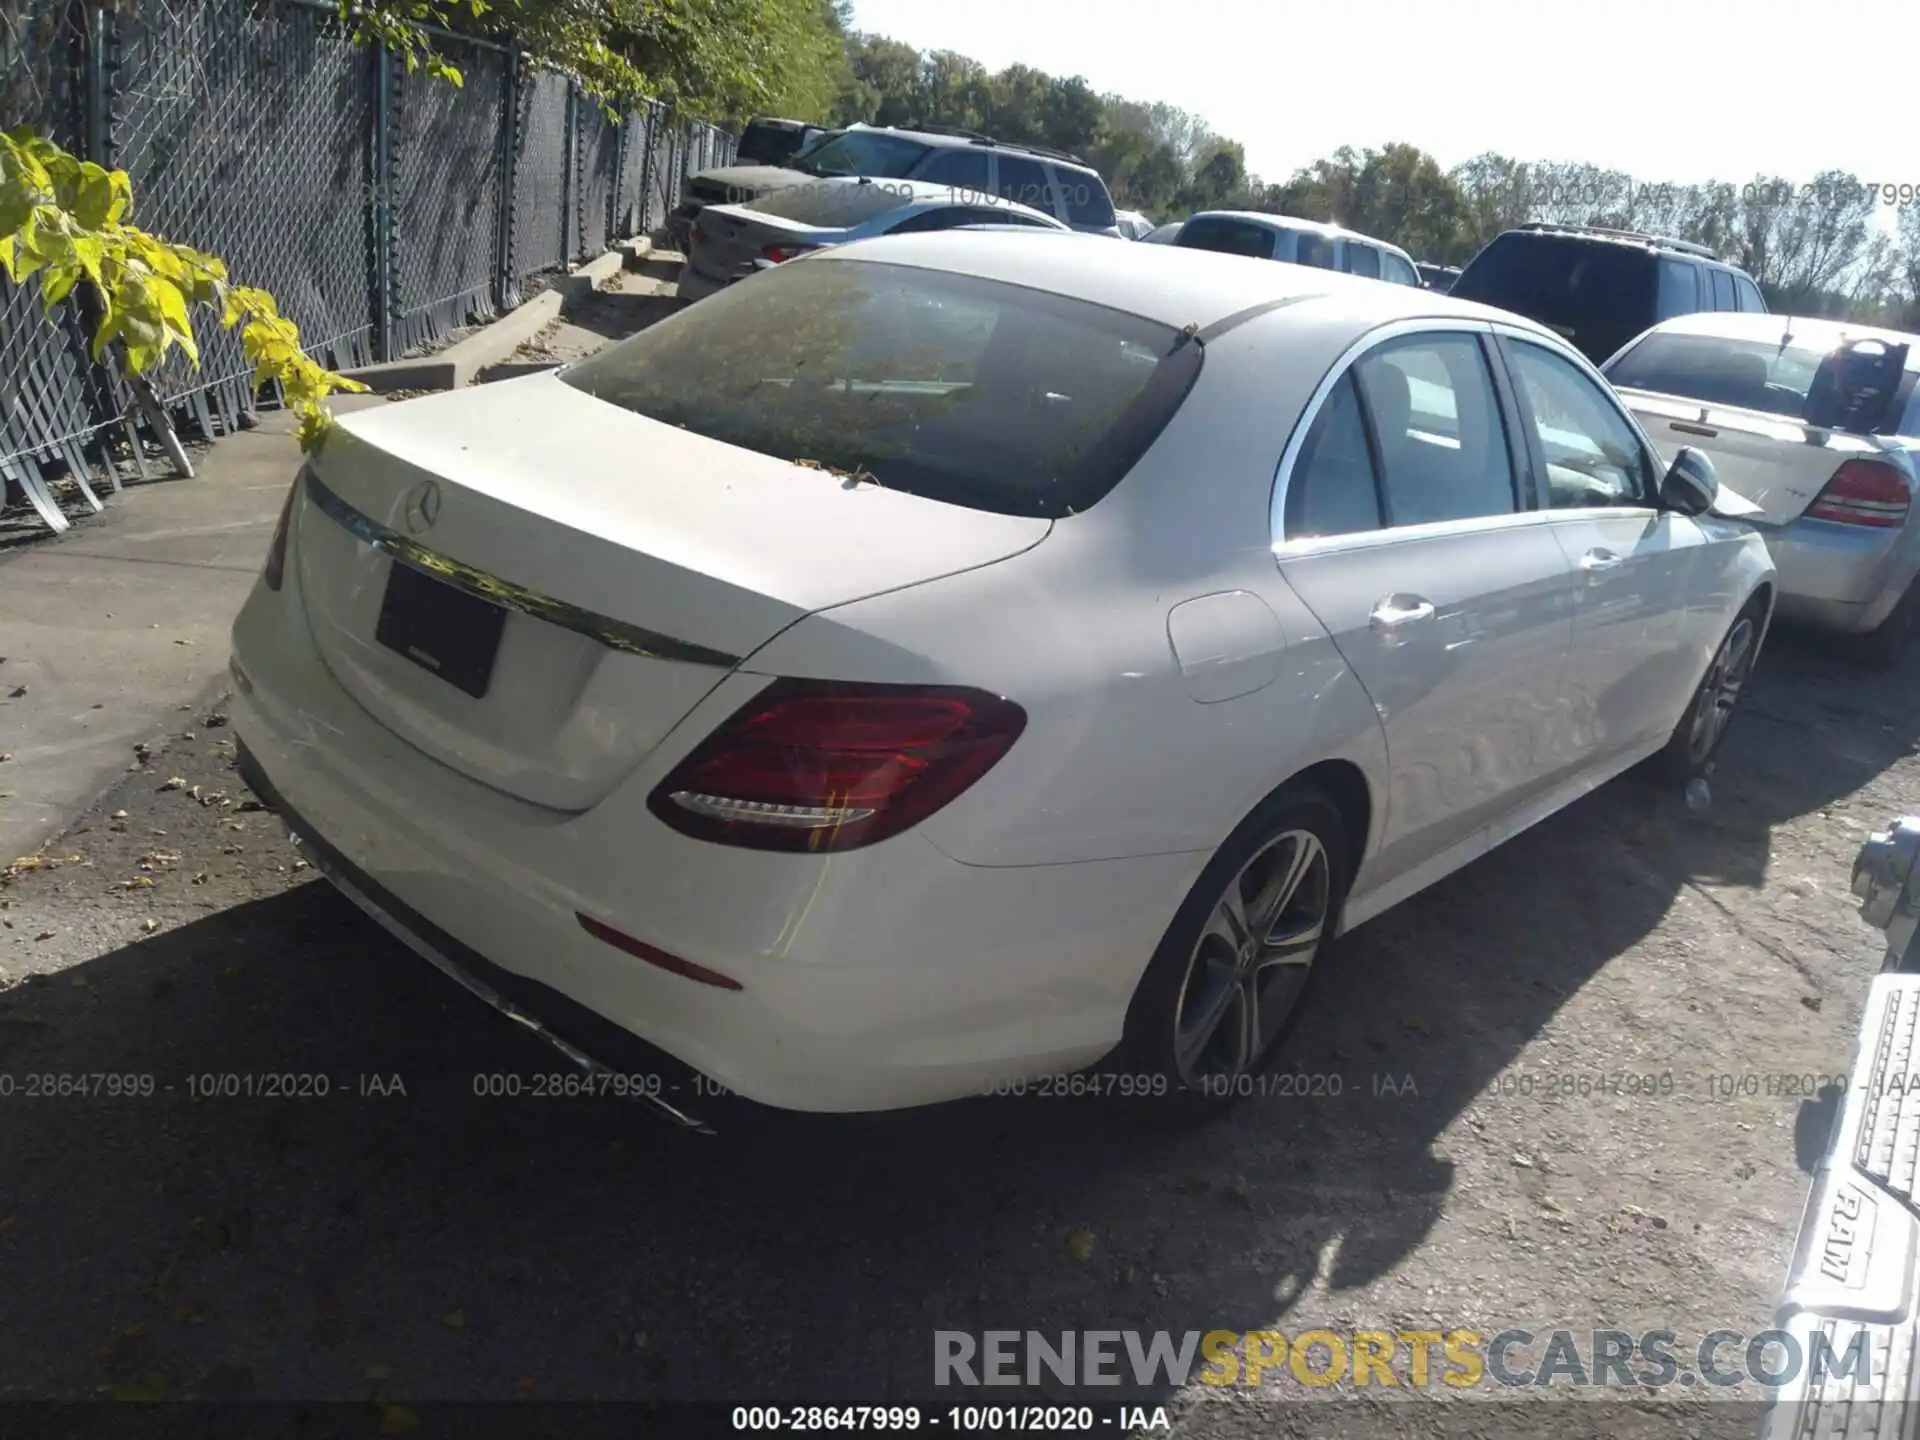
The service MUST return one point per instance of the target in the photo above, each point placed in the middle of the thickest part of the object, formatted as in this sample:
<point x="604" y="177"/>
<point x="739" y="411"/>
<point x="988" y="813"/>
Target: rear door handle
<point x="1596" y="561"/>
<point x="1396" y="612"/>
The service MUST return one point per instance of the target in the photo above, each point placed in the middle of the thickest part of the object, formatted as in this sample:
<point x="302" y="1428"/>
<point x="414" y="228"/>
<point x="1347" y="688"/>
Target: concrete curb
<point x="461" y="363"/>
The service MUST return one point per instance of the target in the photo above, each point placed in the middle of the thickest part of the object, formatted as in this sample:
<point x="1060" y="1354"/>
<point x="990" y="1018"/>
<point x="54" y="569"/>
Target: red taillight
<point x="830" y="766"/>
<point x="1864" y="492"/>
<point x="779" y="254"/>
<point x="274" y="572"/>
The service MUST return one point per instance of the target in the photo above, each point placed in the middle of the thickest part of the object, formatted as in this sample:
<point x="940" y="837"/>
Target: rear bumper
<point x="878" y="979"/>
<point x="1840" y="577"/>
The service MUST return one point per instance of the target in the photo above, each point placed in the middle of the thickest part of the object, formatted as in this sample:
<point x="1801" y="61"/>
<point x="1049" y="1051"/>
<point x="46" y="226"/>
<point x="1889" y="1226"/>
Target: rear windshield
<point x="1744" y="374"/>
<point x="866" y="152"/>
<point x="1599" y="295"/>
<point x="1229" y="237"/>
<point x="970" y="391"/>
<point x="770" y="144"/>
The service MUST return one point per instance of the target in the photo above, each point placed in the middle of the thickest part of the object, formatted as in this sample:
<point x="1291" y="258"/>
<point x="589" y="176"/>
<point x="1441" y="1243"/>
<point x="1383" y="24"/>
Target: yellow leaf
<point x="377" y="1371"/>
<point x="455" y="1319"/>
<point x="1080" y="1246"/>
<point x="398" y="1420"/>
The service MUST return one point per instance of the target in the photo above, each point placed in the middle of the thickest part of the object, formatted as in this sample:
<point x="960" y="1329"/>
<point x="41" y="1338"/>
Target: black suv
<point x="1598" y="287"/>
<point x="1050" y="181"/>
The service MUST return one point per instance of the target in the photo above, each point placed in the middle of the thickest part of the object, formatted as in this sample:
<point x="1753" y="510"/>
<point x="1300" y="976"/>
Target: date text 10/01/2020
<point x="961" y="1419"/>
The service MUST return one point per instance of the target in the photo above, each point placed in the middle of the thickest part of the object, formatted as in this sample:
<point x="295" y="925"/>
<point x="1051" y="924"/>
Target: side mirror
<point x="1690" y="486"/>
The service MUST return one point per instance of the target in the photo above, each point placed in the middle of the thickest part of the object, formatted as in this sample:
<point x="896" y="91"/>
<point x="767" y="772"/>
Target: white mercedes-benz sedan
<point x="960" y="658"/>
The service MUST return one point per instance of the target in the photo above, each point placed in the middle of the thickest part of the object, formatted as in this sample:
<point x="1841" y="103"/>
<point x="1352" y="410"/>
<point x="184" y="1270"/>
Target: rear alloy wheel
<point x="1233" y="972"/>
<point x="1249" y="971"/>
<point x="1704" y="726"/>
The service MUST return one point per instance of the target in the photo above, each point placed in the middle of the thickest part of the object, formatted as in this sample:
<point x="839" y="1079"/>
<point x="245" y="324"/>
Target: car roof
<point x="1805" y="332"/>
<point x="1295" y="224"/>
<point x="1627" y="239"/>
<point x="985" y="142"/>
<point x="1167" y="283"/>
<point x="836" y="195"/>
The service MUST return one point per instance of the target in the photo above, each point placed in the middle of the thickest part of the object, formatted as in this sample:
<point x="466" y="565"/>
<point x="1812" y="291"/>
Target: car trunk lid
<point x="728" y="239"/>
<point x="1778" y="464"/>
<point x="593" y="573"/>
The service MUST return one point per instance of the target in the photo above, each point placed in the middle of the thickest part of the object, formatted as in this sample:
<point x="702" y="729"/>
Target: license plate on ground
<point x="447" y="631"/>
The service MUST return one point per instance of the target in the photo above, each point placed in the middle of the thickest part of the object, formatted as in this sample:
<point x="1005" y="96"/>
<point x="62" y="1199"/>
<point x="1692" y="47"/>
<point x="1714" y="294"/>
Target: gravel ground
<point x="403" y="1238"/>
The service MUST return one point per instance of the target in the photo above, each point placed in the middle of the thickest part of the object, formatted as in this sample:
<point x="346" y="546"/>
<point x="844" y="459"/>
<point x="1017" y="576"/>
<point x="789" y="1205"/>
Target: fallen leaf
<point x="8" y="1223"/>
<point x="16" y="692"/>
<point x="1525" y="1162"/>
<point x="174" y="782"/>
<point x="1548" y="1203"/>
<point x="455" y="1319"/>
<point x="149" y="925"/>
<point x="1079" y="1246"/>
<point x="398" y="1420"/>
<point x="377" y="1371"/>
<point x="44" y="935"/>
<point x="524" y="1387"/>
<point x="179" y="642"/>
<point x="119" y="815"/>
<point x="5" y="755"/>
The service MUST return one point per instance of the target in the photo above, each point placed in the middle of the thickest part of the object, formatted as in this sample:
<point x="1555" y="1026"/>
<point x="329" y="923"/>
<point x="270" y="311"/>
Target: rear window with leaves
<point x="970" y="391"/>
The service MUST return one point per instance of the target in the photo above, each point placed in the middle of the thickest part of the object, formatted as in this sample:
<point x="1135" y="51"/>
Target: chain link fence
<point x="383" y="210"/>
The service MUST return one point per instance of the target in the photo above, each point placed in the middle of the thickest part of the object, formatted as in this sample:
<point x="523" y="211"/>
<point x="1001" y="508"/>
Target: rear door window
<point x="969" y="391"/>
<point x="964" y="170"/>
<point x="1679" y="288"/>
<point x="1723" y="298"/>
<point x="1024" y="181"/>
<point x="1315" y="250"/>
<point x="1363" y="260"/>
<point x="1749" y="295"/>
<point x="1228" y="236"/>
<point x="1440" y="442"/>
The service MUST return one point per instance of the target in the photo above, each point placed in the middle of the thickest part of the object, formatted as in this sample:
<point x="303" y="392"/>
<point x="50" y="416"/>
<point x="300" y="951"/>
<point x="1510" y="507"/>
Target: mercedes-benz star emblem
<point x="423" y="506"/>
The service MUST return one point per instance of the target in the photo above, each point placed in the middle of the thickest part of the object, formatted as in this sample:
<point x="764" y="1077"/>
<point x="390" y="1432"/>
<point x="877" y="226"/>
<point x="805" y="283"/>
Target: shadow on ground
<point x="462" y="1246"/>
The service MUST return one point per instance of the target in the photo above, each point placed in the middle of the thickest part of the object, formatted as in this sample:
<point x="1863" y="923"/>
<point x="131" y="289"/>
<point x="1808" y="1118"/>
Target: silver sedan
<point x="732" y="242"/>
<point x="1832" y="492"/>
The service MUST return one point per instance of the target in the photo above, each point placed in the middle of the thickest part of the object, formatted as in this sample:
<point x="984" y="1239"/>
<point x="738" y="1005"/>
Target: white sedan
<point x="959" y="658"/>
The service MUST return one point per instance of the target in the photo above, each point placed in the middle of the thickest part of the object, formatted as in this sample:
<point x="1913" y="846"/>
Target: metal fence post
<point x="506" y="281"/>
<point x="568" y="165"/>
<point x="380" y="275"/>
<point x="615" y="221"/>
<point x="643" y="222"/>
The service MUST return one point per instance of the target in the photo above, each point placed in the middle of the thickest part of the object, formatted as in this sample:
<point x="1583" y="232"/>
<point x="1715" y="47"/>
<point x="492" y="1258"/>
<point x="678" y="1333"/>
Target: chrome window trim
<point x="612" y="633"/>
<point x="1393" y="330"/>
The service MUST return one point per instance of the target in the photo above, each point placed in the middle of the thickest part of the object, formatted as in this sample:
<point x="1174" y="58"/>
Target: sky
<point x="1674" y="90"/>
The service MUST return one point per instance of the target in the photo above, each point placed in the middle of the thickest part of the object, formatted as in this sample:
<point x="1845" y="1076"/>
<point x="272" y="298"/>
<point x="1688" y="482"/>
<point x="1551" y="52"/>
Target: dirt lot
<point x="433" y="1244"/>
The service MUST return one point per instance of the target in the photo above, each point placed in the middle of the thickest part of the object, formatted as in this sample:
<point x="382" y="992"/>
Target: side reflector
<point x="653" y="955"/>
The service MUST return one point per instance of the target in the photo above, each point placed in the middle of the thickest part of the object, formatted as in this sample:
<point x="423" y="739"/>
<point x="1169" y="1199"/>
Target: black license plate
<point x="439" y="628"/>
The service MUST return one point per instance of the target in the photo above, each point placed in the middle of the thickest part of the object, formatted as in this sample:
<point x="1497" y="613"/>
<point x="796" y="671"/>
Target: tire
<point x="1696" y="739"/>
<point x="1882" y="649"/>
<point x="1294" y="850"/>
